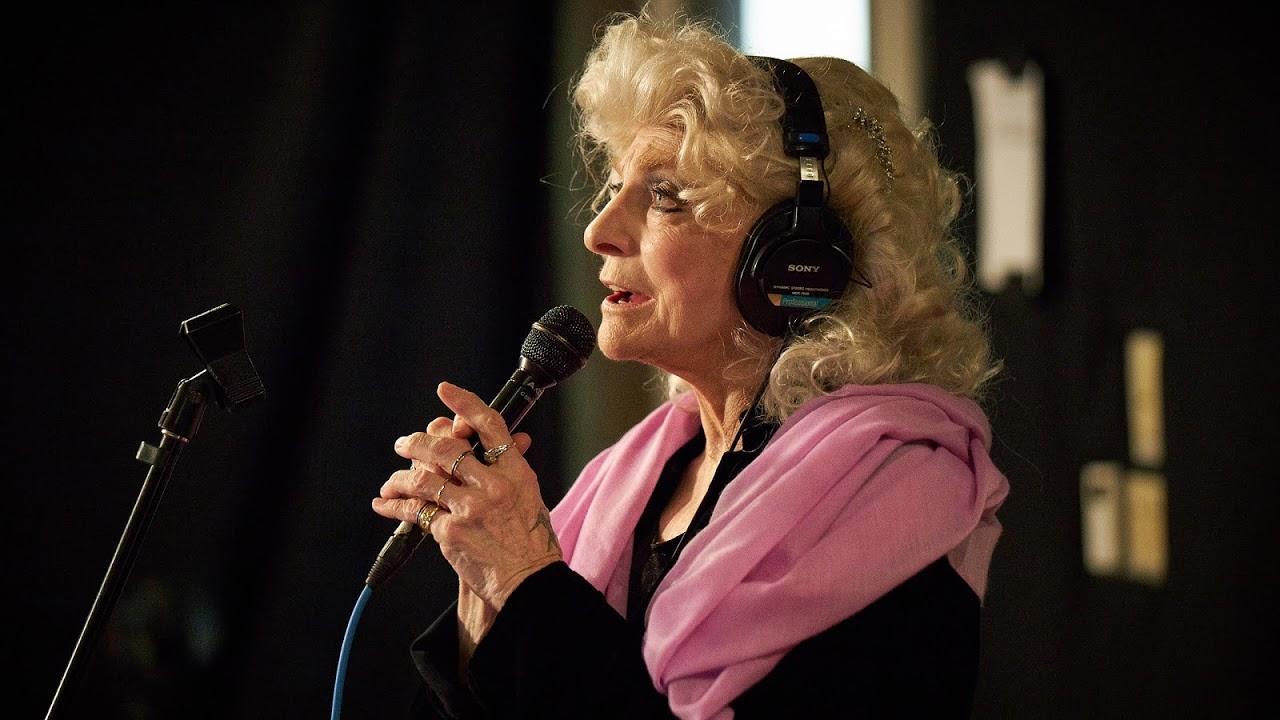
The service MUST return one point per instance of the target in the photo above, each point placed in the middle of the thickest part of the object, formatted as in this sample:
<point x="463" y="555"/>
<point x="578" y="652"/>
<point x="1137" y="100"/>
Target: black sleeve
<point x="442" y="695"/>
<point x="557" y="649"/>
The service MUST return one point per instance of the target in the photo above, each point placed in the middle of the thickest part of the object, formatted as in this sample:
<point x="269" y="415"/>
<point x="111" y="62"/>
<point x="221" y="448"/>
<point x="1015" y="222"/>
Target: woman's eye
<point x="666" y="198"/>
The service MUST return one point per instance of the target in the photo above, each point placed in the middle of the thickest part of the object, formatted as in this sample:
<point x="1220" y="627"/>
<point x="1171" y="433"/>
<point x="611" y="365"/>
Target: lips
<point x="623" y="296"/>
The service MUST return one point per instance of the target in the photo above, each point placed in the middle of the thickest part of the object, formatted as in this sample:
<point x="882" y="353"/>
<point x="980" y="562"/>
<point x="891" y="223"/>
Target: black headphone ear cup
<point x="785" y="271"/>
<point x="773" y="224"/>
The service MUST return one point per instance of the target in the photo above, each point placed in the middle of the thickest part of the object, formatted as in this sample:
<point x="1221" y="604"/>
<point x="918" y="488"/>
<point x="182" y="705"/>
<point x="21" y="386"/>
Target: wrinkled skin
<point x="492" y="526"/>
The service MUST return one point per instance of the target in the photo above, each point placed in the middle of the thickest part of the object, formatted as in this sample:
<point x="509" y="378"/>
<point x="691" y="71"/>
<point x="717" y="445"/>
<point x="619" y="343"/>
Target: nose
<point x="610" y="232"/>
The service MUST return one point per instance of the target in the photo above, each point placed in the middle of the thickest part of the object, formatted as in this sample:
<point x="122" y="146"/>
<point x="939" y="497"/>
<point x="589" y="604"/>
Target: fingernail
<point x="401" y="442"/>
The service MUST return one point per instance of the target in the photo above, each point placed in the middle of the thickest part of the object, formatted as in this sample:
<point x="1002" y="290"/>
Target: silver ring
<point x="492" y="454"/>
<point x="441" y="490"/>
<point x="454" y="467"/>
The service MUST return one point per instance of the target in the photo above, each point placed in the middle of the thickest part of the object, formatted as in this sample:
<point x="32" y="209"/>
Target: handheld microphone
<point x="557" y="346"/>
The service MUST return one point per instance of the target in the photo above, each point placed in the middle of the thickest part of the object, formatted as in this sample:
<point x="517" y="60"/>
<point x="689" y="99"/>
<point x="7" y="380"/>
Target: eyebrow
<point x="652" y="159"/>
<point x="651" y="174"/>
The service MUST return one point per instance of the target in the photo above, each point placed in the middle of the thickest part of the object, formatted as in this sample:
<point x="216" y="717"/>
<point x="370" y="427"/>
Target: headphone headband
<point x="804" y="127"/>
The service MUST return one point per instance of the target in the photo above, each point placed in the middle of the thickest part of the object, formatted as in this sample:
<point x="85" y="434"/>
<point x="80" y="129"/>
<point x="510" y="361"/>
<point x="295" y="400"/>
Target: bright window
<point x="807" y="28"/>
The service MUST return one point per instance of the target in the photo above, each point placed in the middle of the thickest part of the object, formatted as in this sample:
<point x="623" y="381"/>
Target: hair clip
<point x="872" y="128"/>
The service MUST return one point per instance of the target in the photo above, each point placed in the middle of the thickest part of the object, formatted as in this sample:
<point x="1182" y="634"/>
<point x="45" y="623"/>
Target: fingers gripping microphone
<point x="557" y="347"/>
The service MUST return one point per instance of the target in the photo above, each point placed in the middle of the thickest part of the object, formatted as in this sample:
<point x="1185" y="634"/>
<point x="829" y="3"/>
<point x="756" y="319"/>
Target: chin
<point x="614" y="347"/>
<point x="623" y="343"/>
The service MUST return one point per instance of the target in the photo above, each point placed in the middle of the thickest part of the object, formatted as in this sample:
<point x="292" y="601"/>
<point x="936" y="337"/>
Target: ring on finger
<point x="440" y="502"/>
<point x="424" y="520"/>
<point x="492" y="454"/>
<point x="454" y="467"/>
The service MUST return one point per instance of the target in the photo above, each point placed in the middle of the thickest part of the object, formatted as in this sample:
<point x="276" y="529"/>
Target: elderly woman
<point x="804" y="529"/>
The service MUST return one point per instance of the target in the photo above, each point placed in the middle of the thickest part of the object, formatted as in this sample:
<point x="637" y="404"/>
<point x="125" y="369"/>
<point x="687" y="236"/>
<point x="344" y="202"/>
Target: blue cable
<point x="345" y="654"/>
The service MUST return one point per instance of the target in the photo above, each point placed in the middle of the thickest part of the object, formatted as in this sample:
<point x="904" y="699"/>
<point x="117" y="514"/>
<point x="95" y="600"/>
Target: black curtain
<point x="365" y="181"/>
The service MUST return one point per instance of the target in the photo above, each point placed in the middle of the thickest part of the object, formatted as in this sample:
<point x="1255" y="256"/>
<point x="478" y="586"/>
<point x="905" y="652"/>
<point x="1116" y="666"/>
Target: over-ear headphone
<point x="798" y="256"/>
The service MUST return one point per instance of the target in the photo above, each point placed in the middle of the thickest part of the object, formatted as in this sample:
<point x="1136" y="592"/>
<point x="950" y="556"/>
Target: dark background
<point x="1158" y="215"/>
<point x="371" y="184"/>
<point x="366" y="182"/>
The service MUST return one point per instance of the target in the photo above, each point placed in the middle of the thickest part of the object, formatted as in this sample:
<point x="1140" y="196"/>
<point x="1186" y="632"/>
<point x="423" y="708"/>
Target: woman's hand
<point x="492" y="525"/>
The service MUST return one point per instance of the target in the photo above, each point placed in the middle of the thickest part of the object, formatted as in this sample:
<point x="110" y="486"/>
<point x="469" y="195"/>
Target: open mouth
<point x="625" y="297"/>
<point x="619" y="295"/>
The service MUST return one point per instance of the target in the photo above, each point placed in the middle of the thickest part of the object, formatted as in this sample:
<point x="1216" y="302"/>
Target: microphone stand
<point x="217" y="338"/>
<point x="178" y="425"/>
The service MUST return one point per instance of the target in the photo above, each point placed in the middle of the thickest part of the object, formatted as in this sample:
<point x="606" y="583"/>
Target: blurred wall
<point x="1157" y="162"/>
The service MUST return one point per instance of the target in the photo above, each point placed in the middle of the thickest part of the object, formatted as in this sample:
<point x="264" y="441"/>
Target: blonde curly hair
<point x="917" y="322"/>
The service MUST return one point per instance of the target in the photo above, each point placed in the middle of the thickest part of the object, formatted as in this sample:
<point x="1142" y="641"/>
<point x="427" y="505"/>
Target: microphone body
<point x="557" y="346"/>
<point x="522" y="390"/>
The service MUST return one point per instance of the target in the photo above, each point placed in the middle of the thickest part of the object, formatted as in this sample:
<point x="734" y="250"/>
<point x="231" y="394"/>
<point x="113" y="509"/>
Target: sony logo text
<point x="804" y="268"/>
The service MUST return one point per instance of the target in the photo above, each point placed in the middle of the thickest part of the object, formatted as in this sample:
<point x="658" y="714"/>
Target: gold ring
<point x="425" y="522"/>
<point x="454" y="467"/>
<point x="492" y="454"/>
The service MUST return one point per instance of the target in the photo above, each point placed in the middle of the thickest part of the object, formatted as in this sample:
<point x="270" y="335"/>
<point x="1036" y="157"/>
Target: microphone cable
<point x="344" y="655"/>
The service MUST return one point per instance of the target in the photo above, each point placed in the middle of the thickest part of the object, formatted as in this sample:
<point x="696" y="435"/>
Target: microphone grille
<point x="560" y="342"/>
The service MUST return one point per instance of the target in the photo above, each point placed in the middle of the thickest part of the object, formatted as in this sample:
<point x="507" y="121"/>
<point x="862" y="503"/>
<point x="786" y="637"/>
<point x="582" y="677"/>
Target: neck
<point x="722" y="400"/>
<point x="721" y="414"/>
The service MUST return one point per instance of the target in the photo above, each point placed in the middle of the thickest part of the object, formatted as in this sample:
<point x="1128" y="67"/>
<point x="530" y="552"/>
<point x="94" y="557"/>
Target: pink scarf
<point x="856" y="492"/>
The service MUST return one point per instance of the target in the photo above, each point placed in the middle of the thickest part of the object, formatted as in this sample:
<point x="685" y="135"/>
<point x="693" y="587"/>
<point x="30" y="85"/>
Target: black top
<point x="651" y="559"/>
<point x="558" y="650"/>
